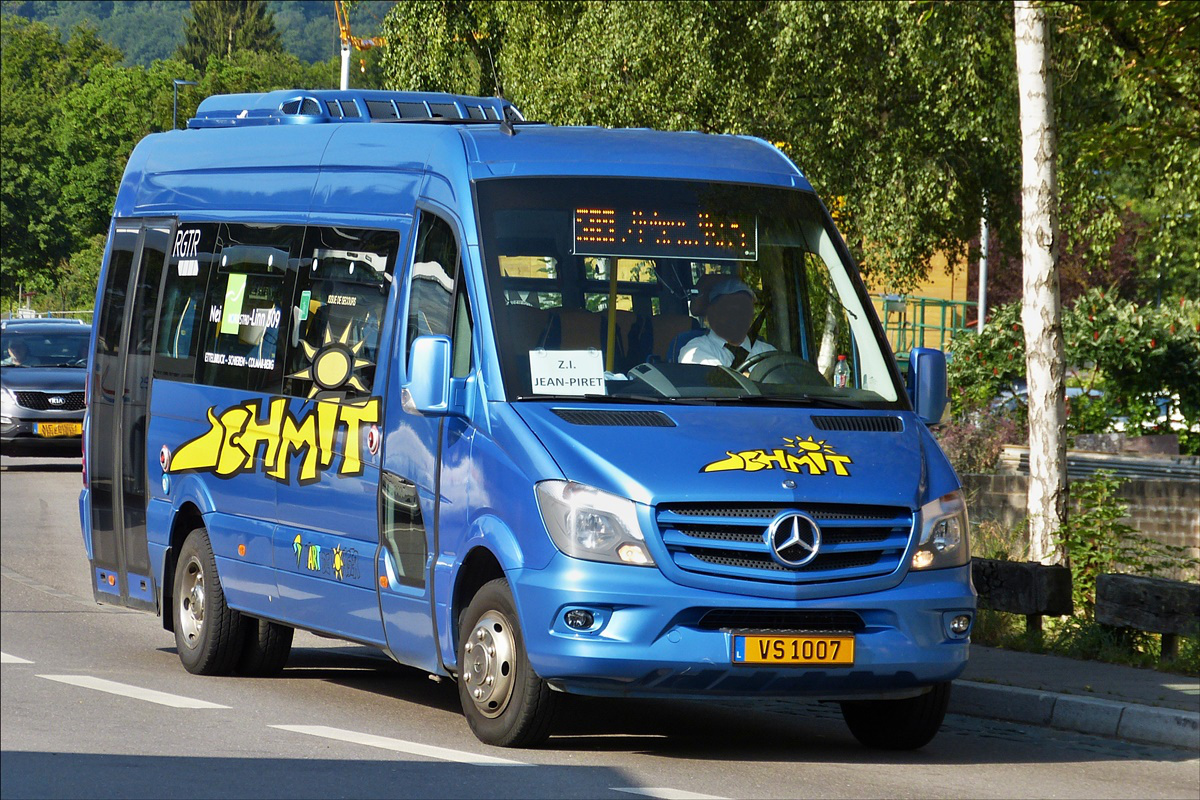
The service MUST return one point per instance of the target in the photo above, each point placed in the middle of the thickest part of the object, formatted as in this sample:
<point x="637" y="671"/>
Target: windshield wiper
<point x="794" y="399"/>
<point x="616" y="398"/>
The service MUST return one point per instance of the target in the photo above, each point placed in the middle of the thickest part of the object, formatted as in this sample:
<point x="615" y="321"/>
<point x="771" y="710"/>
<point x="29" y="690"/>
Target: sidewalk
<point x="1087" y="696"/>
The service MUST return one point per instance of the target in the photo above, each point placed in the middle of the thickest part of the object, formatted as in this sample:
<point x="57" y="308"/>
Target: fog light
<point x="960" y="624"/>
<point x="922" y="559"/>
<point x="579" y="619"/>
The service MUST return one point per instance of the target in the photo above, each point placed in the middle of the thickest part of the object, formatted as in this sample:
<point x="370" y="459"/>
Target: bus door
<point x="334" y="376"/>
<point x="426" y="460"/>
<point x="120" y="391"/>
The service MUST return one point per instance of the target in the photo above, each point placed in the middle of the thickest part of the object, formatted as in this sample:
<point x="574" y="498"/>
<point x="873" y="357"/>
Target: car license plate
<point x="59" y="429"/>
<point x="833" y="650"/>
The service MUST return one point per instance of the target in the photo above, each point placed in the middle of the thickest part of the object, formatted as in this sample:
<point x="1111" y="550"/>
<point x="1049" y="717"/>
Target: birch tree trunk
<point x="1041" y="306"/>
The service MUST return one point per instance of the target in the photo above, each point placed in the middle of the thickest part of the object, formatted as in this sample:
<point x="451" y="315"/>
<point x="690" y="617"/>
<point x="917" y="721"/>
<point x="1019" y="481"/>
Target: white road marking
<point x="401" y="746"/>
<point x="136" y="692"/>
<point x="5" y="658"/>
<point x="669" y="794"/>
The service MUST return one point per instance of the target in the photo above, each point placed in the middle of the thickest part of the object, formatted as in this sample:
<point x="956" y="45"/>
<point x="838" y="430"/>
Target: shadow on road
<point x="71" y="775"/>
<point x="721" y="729"/>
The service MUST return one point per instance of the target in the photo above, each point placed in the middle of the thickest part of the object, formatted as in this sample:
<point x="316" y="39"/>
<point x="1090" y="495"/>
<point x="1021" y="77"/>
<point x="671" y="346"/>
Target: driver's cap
<point x="729" y="286"/>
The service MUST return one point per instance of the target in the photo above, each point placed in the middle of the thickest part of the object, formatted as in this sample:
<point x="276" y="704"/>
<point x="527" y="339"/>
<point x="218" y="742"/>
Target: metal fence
<point x="910" y="322"/>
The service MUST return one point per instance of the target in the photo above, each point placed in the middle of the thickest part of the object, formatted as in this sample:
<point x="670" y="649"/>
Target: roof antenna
<point x="506" y="126"/>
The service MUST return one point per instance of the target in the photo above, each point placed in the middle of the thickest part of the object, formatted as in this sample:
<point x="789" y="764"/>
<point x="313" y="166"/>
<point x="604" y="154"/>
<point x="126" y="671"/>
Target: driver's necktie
<point x="740" y="354"/>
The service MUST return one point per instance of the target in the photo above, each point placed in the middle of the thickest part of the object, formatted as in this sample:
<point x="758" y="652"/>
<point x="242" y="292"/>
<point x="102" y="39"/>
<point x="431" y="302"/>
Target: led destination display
<point x="605" y="231"/>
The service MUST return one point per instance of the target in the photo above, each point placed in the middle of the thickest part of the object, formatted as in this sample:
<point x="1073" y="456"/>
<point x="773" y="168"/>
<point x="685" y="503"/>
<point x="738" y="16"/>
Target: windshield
<point x="675" y="291"/>
<point x="45" y="348"/>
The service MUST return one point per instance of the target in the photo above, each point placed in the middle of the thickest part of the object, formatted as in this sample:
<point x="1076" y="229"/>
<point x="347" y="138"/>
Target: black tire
<point x="898" y="724"/>
<point x="515" y="708"/>
<point x="265" y="649"/>
<point x="208" y="634"/>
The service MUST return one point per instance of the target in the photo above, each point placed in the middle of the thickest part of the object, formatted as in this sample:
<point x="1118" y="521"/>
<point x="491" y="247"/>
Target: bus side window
<point x="180" y="317"/>
<point x="247" y="295"/>
<point x="460" y="365"/>
<point x="434" y="271"/>
<point x="340" y="297"/>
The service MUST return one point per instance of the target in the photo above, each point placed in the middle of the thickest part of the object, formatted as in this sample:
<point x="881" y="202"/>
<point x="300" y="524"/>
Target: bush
<point x="1132" y="355"/>
<point x="973" y="441"/>
<point x="1096" y="541"/>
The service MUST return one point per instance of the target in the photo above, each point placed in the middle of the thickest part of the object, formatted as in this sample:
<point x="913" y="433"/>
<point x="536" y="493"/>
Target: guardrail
<point x="1083" y="464"/>
<point x="1156" y="605"/>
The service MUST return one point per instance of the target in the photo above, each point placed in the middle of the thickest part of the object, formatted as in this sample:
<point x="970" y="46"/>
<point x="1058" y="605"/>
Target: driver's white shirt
<point x="710" y="349"/>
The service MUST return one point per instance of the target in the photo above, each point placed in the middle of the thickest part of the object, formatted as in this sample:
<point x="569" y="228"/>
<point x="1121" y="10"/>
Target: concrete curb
<point x="1113" y="718"/>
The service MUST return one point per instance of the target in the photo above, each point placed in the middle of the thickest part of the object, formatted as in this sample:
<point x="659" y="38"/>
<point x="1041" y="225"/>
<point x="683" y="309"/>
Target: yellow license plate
<point x="59" y="429"/>
<point x="833" y="650"/>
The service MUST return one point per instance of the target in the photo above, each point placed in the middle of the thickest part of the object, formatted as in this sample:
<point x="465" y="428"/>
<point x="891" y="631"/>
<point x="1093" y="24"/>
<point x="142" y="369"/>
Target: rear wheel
<point x="898" y="724"/>
<point x="208" y="633"/>
<point x="505" y="702"/>
<point x="265" y="649"/>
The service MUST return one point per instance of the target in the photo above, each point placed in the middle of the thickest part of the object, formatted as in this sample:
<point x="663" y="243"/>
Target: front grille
<point x="785" y="619"/>
<point x="40" y="401"/>
<point x="728" y="540"/>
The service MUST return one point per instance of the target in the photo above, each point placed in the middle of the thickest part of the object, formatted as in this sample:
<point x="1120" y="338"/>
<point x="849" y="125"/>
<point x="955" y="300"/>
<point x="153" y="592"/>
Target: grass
<point x="1073" y="637"/>
<point x="1084" y="639"/>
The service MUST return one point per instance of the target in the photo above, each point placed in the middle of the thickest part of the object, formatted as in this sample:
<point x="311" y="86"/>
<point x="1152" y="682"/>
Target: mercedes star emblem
<point x="794" y="539"/>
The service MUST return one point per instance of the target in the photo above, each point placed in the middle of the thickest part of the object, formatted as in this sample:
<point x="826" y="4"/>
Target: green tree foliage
<point x="71" y="117"/>
<point x="1133" y="354"/>
<point x="144" y="30"/>
<point x="39" y="73"/>
<point x="1129" y="123"/>
<point x="152" y="30"/>
<point x="903" y="115"/>
<point x="102" y="120"/>
<point x="1097" y="541"/>
<point x="223" y="27"/>
<point x="885" y="106"/>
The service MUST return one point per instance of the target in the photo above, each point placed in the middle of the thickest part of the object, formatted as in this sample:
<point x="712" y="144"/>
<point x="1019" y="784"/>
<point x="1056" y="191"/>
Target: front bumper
<point x="647" y="641"/>
<point x="18" y="437"/>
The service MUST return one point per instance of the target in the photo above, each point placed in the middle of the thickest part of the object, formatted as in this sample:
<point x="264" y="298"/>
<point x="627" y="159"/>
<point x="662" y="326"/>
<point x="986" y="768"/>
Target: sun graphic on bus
<point x="809" y="445"/>
<point x="331" y="366"/>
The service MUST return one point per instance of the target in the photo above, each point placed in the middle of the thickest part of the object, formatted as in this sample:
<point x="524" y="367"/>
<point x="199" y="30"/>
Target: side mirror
<point x="427" y="391"/>
<point x="927" y="383"/>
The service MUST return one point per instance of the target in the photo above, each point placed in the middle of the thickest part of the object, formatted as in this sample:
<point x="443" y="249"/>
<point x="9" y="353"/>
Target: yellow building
<point x="930" y="314"/>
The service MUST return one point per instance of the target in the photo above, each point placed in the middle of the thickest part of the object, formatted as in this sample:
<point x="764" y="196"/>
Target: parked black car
<point x="43" y="365"/>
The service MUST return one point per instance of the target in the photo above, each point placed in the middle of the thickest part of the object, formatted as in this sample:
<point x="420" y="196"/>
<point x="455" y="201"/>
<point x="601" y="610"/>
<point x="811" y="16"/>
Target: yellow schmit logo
<point x="815" y="457"/>
<point x="229" y="446"/>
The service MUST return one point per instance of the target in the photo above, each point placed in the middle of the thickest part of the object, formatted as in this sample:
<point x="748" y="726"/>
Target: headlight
<point x="8" y="403"/>
<point x="591" y="524"/>
<point x="943" y="534"/>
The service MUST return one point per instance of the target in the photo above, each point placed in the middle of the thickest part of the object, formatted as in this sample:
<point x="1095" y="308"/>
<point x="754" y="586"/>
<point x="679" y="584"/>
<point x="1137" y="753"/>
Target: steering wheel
<point x="778" y="366"/>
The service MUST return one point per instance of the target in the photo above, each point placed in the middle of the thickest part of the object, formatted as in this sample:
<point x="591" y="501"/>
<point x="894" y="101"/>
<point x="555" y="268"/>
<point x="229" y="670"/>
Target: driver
<point x="730" y="313"/>
<point x="18" y="354"/>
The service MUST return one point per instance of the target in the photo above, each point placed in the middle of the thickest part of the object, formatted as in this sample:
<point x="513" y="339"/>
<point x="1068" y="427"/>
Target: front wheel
<point x="505" y="702"/>
<point x="208" y="633"/>
<point x="898" y="724"/>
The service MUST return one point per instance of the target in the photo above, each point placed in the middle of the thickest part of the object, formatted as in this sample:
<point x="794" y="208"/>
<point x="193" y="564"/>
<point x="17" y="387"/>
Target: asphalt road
<point x="94" y="703"/>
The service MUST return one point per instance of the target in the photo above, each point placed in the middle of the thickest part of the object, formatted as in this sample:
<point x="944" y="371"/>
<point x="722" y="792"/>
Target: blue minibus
<point x="537" y="409"/>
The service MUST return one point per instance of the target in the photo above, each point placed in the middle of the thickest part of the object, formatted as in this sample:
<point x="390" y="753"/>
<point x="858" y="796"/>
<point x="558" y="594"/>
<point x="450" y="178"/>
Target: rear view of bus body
<point x="540" y="409"/>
